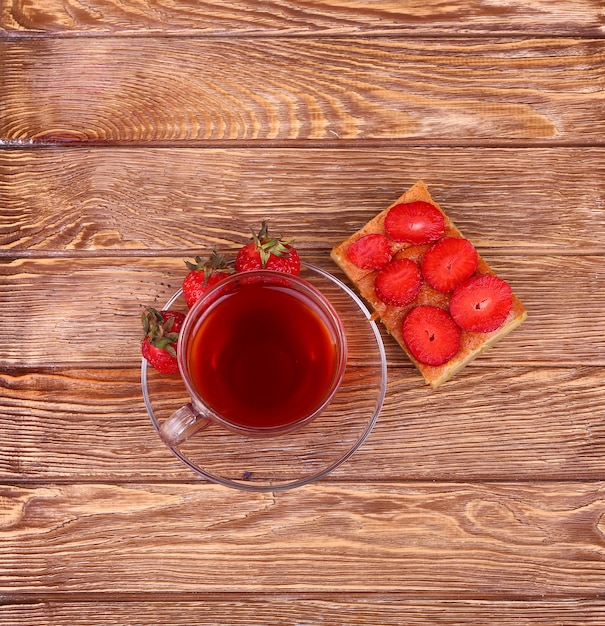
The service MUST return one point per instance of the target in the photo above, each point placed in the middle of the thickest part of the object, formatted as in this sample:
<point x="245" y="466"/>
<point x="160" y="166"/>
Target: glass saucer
<point x="309" y="453"/>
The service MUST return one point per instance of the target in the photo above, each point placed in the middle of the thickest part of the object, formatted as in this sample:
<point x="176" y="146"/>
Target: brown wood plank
<point x="171" y="90"/>
<point x="87" y="311"/>
<point x="185" y="200"/>
<point x="293" y="610"/>
<point x="491" y="423"/>
<point x="135" y="134"/>
<point x="461" y="541"/>
<point x="215" y="17"/>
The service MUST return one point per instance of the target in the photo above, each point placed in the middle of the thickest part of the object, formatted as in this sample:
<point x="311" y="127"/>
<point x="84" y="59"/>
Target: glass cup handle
<point x="182" y="424"/>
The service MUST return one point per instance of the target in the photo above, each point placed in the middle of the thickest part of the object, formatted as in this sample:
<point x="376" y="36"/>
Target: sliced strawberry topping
<point x="370" y="252"/>
<point x="399" y="282"/>
<point x="449" y="262"/>
<point x="482" y="303"/>
<point x="414" y="222"/>
<point x="431" y="335"/>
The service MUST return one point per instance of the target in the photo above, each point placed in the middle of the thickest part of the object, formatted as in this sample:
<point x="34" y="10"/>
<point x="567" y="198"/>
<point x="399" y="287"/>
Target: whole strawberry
<point x="203" y="274"/>
<point x="265" y="252"/>
<point x="161" y="334"/>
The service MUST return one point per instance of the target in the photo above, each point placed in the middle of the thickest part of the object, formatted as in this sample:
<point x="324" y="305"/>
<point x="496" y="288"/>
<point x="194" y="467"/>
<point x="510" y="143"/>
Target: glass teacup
<point x="262" y="353"/>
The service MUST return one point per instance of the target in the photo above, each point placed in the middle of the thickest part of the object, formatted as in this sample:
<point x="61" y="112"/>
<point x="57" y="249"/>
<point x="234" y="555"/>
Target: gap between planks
<point x="295" y="144"/>
<point x="413" y="33"/>
<point x="31" y="597"/>
<point x="329" y="481"/>
<point x="11" y="253"/>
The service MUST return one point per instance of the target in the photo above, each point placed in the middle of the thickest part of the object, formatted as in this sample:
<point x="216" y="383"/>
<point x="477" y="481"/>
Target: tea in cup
<point x="261" y="353"/>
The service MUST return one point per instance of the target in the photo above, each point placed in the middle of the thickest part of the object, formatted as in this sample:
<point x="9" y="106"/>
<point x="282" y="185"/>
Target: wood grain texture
<point x="136" y="134"/>
<point x="214" y="17"/>
<point x="456" y="540"/>
<point x="491" y="423"/>
<point x="125" y="200"/>
<point x="296" y="609"/>
<point x="173" y="90"/>
<point x="89" y="309"/>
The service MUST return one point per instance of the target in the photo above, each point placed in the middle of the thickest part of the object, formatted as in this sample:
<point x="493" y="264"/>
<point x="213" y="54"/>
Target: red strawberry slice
<point x="431" y="335"/>
<point x="414" y="222"/>
<point x="449" y="262"/>
<point x="399" y="282"/>
<point x="482" y="303"/>
<point x="370" y="252"/>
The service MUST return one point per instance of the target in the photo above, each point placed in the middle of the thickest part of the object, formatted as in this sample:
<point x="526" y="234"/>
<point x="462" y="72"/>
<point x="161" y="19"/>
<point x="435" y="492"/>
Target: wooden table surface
<point x="135" y="135"/>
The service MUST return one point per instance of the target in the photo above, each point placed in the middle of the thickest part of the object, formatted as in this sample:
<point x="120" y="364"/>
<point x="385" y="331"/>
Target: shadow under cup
<point x="262" y="353"/>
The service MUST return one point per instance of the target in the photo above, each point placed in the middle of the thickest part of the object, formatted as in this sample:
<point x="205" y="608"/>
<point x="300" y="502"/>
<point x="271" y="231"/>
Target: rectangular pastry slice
<point x="428" y="285"/>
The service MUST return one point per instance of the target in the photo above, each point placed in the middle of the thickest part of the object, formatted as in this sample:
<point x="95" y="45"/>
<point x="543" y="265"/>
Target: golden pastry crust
<point x="472" y="344"/>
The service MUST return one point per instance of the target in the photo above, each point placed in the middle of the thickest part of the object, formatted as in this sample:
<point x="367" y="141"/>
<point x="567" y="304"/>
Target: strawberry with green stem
<point x="203" y="274"/>
<point x="161" y="335"/>
<point x="267" y="252"/>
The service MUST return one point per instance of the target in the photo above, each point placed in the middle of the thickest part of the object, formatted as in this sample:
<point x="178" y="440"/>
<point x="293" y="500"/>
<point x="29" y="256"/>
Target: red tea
<point x="262" y="356"/>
